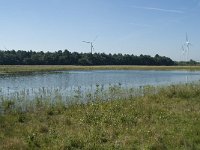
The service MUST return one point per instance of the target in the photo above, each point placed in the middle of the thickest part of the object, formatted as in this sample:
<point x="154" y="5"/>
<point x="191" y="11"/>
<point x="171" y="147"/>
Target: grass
<point x="160" y="118"/>
<point x="5" y="69"/>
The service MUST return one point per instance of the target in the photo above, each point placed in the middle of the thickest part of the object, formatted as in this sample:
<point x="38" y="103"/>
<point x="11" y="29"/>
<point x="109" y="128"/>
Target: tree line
<point x="21" y="57"/>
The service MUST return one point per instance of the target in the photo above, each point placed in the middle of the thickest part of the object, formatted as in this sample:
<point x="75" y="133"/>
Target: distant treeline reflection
<point x="21" y="57"/>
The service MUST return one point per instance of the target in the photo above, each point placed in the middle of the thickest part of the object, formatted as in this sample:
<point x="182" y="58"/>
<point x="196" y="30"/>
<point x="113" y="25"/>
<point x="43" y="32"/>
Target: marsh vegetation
<point x="148" y="118"/>
<point x="48" y="84"/>
<point x="7" y="69"/>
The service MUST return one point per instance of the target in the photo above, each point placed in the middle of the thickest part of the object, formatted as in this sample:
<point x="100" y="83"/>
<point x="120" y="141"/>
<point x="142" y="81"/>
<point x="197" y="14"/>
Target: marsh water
<point x="68" y="81"/>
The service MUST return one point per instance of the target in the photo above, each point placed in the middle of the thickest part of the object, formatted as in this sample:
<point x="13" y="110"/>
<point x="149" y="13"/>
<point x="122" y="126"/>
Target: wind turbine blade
<point x="95" y="38"/>
<point x="183" y="50"/>
<point x="187" y="38"/>
<point x="5" y="48"/>
<point x="86" y="42"/>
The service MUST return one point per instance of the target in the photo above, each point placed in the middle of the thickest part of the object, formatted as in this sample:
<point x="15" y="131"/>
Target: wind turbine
<point x="188" y="44"/>
<point x="6" y="48"/>
<point x="91" y="44"/>
<point x="183" y="50"/>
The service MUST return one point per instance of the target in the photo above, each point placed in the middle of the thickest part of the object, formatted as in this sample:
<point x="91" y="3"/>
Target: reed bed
<point x="143" y="118"/>
<point x="6" y="69"/>
<point x="21" y="100"/>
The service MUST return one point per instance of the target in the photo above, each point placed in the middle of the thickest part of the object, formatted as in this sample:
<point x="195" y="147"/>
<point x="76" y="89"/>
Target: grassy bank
<point x="166" y="119"/>
<point x="44" y="68"/>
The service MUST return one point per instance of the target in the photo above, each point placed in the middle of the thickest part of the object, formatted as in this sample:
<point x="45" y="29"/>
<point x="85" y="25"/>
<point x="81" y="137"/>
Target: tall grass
<point x="5" y="69"/>
<point x="24" y="99"/>
<point x="143" y="118"/>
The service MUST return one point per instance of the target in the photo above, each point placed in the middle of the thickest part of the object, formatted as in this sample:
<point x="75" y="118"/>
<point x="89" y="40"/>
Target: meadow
<point x="149" y="118"/>
<point x="5" y="69"/>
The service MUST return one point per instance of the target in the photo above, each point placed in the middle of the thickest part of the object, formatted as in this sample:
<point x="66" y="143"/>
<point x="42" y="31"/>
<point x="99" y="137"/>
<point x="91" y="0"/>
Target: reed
<point x="148" y="118"/>
<point x="45" y="68"/>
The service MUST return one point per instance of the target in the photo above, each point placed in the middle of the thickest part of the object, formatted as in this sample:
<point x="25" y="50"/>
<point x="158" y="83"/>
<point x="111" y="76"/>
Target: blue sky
<point x="122" y="26"/>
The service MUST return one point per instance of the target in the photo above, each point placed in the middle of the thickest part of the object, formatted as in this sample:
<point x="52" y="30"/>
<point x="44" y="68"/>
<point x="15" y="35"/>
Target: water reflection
<point x="68" y="81"/>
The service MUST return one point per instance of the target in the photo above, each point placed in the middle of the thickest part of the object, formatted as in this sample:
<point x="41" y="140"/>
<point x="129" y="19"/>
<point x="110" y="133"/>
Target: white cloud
<point x="159" y="9"/>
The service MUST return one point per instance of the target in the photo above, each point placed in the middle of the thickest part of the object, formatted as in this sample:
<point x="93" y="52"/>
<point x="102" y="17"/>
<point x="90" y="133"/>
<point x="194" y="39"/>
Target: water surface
<point x="67" y="81"/>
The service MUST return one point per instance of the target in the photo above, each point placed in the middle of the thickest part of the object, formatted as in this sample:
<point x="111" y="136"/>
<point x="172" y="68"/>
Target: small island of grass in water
<point x="160" y="118"/>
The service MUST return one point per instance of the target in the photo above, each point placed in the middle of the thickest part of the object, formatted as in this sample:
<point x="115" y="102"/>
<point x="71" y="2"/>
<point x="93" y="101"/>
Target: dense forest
<point x="20" y="57"/>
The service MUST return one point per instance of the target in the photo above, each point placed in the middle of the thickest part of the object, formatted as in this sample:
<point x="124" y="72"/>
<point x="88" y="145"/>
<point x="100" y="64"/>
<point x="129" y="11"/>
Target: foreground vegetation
<point x="5" y="69"/>
<point x="157" y="118"/>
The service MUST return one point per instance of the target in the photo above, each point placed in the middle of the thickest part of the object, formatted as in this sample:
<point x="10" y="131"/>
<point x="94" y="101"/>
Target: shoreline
<point x="12" y="69"/>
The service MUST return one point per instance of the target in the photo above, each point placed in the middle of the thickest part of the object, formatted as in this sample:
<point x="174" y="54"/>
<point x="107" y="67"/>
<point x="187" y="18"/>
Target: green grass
<point x="163" y="118"/>
<point x="43" y="68"/>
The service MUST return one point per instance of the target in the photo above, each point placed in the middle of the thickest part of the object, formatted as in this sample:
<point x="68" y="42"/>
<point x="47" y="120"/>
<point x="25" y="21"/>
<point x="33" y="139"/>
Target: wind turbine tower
<point x="184" y="51"/>
<point x="91" y="44"/>
<point x="188" y="44"/>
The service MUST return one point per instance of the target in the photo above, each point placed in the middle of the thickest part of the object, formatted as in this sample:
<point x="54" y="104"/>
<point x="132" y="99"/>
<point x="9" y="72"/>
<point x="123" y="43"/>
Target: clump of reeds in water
<point x="31" y="99"/>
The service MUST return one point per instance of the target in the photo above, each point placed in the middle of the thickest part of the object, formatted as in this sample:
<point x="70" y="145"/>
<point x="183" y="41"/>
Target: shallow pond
<point x="68" y="81"/>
